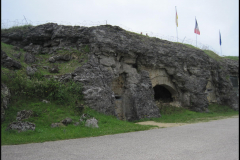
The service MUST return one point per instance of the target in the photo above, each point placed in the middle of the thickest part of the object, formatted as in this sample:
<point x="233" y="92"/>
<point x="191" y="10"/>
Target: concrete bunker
<point x="211" y="91"/>
<point x="118" y="87"/>
<point x="161" y="93"/>
<point x="165" y="95"/>
<point x="235" y="83"/>
<point x="163" y="87"/>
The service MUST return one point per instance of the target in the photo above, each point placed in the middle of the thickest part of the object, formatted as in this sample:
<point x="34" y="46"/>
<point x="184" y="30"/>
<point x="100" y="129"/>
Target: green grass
<point x="79" y="58"/>
<point x="138" y="34"/>
<point x="45" y="114"/>
<point x="191" y="46"/>
<point x="8" y="49"/>
<point x="236" y="58"/>
<point x="213" y="55"/>
<point x="14" y="28"/>
<point x="171" y="114"/>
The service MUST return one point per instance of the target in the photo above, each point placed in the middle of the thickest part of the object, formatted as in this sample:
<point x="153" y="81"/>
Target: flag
<point x="196" y="29"/>
<point x="220" y="38"/>
<point x="176" y="19"/>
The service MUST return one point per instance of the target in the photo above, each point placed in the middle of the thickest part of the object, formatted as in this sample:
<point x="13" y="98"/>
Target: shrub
<point x="40" y="87"/>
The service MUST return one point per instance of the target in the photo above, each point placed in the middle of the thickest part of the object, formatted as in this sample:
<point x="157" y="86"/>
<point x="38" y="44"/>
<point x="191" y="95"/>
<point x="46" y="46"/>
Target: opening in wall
<point x="163" y="94"/>
<point x="234" y="80"/>
<point x="117" y="97"/>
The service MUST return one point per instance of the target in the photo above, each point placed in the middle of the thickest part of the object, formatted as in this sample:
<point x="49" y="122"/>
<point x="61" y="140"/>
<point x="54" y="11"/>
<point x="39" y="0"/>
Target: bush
<point x="40" y="87"/>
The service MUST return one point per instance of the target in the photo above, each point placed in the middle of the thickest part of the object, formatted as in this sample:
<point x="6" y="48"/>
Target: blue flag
<point x="220" y="38"/>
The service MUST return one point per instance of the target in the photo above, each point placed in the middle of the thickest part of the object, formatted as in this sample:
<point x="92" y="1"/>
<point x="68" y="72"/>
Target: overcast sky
<point x="155" y="17"/>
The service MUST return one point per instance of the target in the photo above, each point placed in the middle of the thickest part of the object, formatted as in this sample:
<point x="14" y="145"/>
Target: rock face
<point x="21" y="115"/>
<point x="92" y="123"/>
<point x="126" y="72"/>
<point x="65" y="57"/>
<point x="29" y="58"/>
<point x="53" y="69"/>
<point x="21" y="126"/>
<point x="54" y="125"/>
<point x="5" y="98"/>
<point x="8" y="62"/>
<point x="30" y="71"/>
<point x="67" y="121"/>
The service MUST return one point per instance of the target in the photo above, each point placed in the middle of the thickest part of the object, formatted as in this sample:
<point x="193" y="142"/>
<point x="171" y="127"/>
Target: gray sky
<point x="154" y="17"/>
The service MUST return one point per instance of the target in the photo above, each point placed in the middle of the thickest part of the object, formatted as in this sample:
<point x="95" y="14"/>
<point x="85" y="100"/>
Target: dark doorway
<point x="161" y="93"/>
<point x="234" y="80"/>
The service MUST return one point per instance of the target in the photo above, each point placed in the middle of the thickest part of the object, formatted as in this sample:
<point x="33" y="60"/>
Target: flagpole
<point x="196" y="33"/>
<point x="220" y="41"/>
<point x="221" y="49"/>
<point x="177" y="34"/>
<point x="176" y="22"/>
<point x="196" y="39"/>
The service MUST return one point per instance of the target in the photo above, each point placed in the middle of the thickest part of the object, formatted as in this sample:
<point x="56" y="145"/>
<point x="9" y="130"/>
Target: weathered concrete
<point x="5" y="99"/>
<point x="123" y="68"/>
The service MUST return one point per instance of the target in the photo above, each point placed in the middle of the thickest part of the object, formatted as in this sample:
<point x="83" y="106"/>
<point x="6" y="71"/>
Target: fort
<point x="128" y="75"/>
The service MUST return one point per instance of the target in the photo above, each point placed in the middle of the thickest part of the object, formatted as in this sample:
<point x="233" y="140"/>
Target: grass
<point x="138" y="34"/>
<point x="219" y="58"/>
<point x="171" y="114"/>
<point x="14" y="28"/>
<point x="79" y="58"/>
<point x="10" y="52"/>
<point x="213" y="55"/>
<point x="45" y="114"/>
<point x="236" y="58"/>
<point x="191" y="46"/>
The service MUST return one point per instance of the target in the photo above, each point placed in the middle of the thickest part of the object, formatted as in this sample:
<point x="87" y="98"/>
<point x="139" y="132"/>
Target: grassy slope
<point x="42" y="60"/>
<point x="236" y="58"/>
<point x="213" y="54"/>
<point x="45" y="114"/>
<point x="181" y="115"/>
<point x="15" y="28"/>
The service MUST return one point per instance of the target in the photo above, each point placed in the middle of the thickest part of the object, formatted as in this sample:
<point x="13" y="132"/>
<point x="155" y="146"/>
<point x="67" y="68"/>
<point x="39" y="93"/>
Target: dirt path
<point x="161" y="124"/>
<point x="165" y="125"/>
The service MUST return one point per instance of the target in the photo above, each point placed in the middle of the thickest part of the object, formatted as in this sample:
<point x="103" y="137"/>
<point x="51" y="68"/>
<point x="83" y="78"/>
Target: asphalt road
<point x="215" y="140"/>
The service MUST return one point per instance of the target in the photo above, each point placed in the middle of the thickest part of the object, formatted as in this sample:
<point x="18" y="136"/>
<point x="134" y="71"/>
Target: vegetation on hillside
<point x="236" y="58"/>
<point x="46" y="114"/>
<point x="66" y="100"/>
<point x="15" y="28"/>
<point x="191" y="46"/>
<point x="213" y="55"/>
<point x="27" y="93"/>
<point x="171" y="114"/>
<point x="219" y="58"/>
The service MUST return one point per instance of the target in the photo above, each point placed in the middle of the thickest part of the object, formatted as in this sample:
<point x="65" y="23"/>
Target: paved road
<point x="215" y="140"/>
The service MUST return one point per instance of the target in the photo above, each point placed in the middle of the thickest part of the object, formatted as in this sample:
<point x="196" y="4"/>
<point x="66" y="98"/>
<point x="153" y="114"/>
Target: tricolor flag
<point x="196" y="29"/>
<point x="220" y="38"/>
<point x="176" y="19"/>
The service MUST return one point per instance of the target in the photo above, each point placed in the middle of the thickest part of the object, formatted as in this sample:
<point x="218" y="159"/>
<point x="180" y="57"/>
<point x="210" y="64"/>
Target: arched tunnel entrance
<point x="162" y="94"/>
